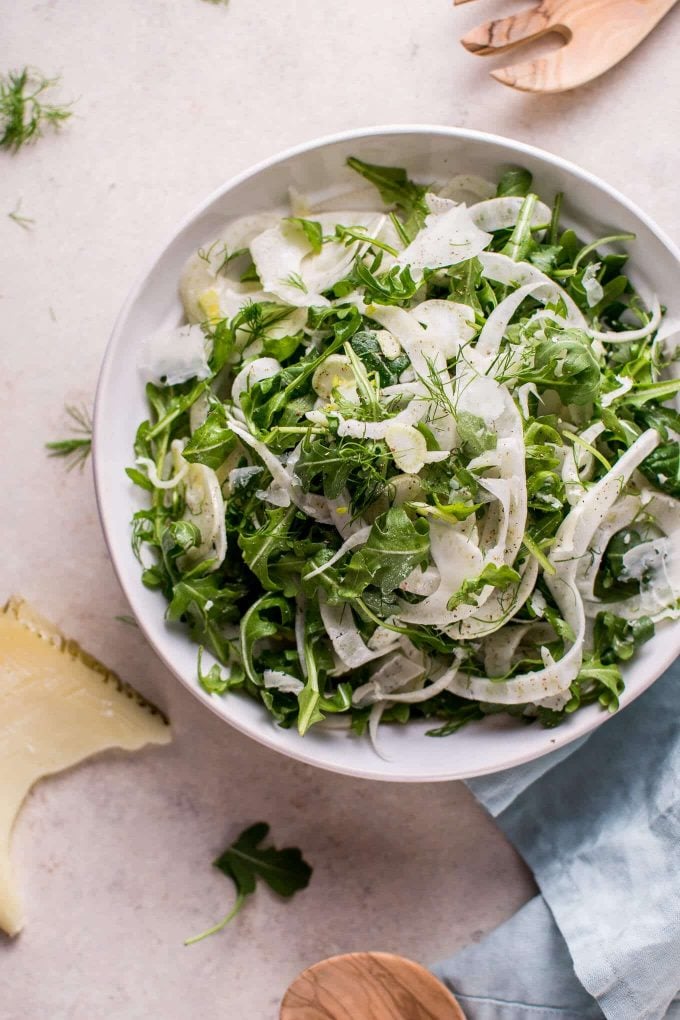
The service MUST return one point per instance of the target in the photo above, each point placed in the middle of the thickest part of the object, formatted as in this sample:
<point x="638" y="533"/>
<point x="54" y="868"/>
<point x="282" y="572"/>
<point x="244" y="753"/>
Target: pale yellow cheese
<point x="58" y="705"/>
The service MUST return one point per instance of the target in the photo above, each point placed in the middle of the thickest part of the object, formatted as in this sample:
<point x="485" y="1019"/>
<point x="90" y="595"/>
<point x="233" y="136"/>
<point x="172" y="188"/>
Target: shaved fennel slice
<point x="409" y="449"/>
<point x="358" y="538"/>
<point x="500" y="649"/>
<point x="448" y="324"/>
<point x="626" y="336"/>
<point x="171" y="356"/>
<point x="360" y="199"/>
<point x="179" y="465"/>
<point x="543" y="683"/>
<point x="571" y="543"/>
<point x="621" y="515"/>
<point x="348" y="643"/>
<point x="289" y="268"/>
<point x="503" y="269"/>
<point x="579" y="526"/>
<point x="335" y="373"/>
<point x="205" y="508"/>
<point x="659" y="593"/>
<point x="422" y="582"/>
<point x="626" y="384"/>
<point x="662" y="351"/>
<point x="486" y="348"/>
<point x="274" y="466"/>
<point x="254" y="372"/>
<point x="501" y="213"/>
<point x="456" y="558"/>
<point x="422" y="351"/>
<point x="300" y="624"/>
<point x="523" y="393"/>
<point x="340" y="516"/>
<point x="204" y="271"/>
<point x="446" y="239"/>
<point x="660" y="585"/>
<point x="284" y="489"/>
<point x="578" y="464"/>
<point x="499" y="608"/>
<point x="382" y="639"/>
<point x="427" y="351"/>
<point x="276" y="679"/>
<point x="462" y="186"/>
<point x="441" y="683"/>
<point x="396" y="673"/>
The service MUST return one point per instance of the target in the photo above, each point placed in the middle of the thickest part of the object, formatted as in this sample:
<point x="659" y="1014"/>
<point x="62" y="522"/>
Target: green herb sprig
<point x="24" y="114"/>
<point x="285" y="871"/>
<point x="76" y="449"/>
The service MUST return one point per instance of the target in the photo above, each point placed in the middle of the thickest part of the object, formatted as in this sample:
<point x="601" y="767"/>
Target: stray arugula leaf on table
<point x="245" y="861"/>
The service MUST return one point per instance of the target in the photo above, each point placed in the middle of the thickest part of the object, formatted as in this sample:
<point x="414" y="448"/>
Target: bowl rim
<point x="579" y="727"/>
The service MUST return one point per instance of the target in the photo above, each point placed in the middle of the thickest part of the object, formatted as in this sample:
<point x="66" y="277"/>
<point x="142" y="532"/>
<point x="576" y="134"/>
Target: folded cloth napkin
<point x="601" y="833"/>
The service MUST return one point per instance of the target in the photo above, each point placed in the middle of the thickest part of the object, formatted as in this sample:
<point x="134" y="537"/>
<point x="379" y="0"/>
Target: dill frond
<point x="23" y="114"/>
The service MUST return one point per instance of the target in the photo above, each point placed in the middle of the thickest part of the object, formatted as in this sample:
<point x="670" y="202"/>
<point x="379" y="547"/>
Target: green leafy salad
<point x="413" y="455"/>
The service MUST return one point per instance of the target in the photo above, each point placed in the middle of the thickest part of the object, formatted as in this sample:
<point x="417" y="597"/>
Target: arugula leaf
<point x="365" y="345"/>
<point x="516" y="181"/>
<point x="395" y="287"/>
<point x="565" y="363"/>
<point x="474" y="434"/>
<point x="499" y="577"/>
<point x="256" y="626"/>
<point x="312" y="230"/>
<point x="596" y="681"/>
<point x="520" y="240"/>
<point x="653" y="416"/>
<point x="662" y="468"/>
<point x="396" y="189"/>
<point x="217" y="682"/>
<point x="449" y="512"/>
<point x="245" y="861"/>
<point x="611" y="583"/>
<point x="644" y="392"/>
<point x="350" y="235"/>
<point x="179" y="537"/>
<point x="395" y="547"/>
<point x="333" y="465"/>
<point x="212" y="441"/>
<point x="616" y="639"/>
<point x="271" y="539"/>
<point x="469" y="286"/>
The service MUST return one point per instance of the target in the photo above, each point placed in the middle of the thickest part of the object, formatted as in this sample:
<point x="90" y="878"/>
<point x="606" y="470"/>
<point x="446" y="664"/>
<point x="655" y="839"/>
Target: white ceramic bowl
<point x="318" y="168"/>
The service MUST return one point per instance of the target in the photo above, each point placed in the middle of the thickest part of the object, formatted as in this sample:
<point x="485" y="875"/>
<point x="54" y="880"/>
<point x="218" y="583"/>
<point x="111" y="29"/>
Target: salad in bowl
<point x="412" y="458"/>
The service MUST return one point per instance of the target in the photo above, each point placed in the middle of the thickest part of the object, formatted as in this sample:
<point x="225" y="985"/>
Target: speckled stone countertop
<point x="172" y="97"/>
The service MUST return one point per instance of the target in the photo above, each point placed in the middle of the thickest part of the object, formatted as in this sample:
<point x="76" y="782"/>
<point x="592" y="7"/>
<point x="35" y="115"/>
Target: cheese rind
<point x="58" y="705"/>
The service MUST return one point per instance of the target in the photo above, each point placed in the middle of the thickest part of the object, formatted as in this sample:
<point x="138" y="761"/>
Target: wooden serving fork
<point x="598" y="34"/>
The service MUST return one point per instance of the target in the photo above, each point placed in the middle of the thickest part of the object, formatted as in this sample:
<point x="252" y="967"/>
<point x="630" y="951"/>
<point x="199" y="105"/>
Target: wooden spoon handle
<point x="368" y="986"/>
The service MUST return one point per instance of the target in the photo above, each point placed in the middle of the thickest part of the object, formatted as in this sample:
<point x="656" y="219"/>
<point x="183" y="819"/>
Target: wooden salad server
<point x="368" y="986"/>
<point x="597" y="33"/>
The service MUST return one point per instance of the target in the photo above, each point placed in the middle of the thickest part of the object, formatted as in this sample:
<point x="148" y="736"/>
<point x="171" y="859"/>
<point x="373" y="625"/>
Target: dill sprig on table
<point x="23" y="113"/>
<point x="77" y="448"/>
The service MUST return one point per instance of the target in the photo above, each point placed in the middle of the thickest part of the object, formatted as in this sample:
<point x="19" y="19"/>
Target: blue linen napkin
<point x="601" y="834"/>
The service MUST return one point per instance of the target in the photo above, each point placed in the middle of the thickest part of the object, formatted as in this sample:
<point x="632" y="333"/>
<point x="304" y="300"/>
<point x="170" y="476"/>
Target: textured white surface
<point x="174" y="96"/>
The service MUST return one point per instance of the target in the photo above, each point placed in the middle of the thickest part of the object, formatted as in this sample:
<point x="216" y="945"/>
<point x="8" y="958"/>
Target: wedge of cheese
<point x="58" y="705"/>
